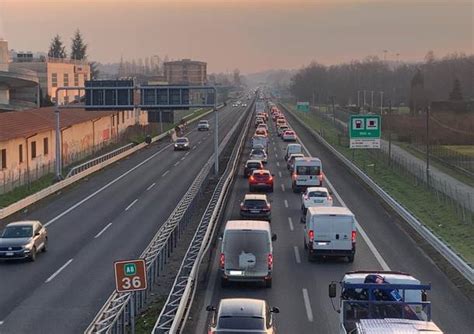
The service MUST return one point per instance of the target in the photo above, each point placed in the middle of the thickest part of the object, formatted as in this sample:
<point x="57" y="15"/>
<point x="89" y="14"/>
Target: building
<point x="27" y="139"/>
<point x="14" y="83"/>
<point x="185" y="72"/>
<point x="54" y="73"/>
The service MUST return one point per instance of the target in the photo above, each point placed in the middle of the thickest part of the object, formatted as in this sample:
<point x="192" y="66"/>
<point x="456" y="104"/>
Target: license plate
<point x="9" y="253"/>
<point x="262" y="184"/>
<point x="236" y="272"/>
<point x="317" y="201"/>
<point x="255" y="211"/>
<point x="323" y="243"/>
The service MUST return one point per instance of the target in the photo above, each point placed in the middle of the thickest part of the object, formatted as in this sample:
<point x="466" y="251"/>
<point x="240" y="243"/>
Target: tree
<point x="57" y="49"/>
<point x="78" y="47"/>
<point x="456" y="93"/>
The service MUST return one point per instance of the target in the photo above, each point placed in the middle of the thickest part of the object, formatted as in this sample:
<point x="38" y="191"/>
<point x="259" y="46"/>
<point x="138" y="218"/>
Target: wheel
<point x="45" y="246"/>
<point x="33" y="255"/>
<point x="224" y="282"/>
<point x="350" y="258"/>
<point x="302" y="208"/>
<point x="268" y="283"/>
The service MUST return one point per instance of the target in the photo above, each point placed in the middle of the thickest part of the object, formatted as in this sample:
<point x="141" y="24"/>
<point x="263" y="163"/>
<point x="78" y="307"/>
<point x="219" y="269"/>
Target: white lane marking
<point x="286" y="203"/>
<point x="102" y="231"/>
<point x="307" y="305"/>
<point x="151" y="186"/>
<point x="62" y="214"/>
<point x="176" y="163"/>
<point x="199" y="142"/>
<point x="297" y="254"/>
<point x="282" y="187"/>
<point x="290" y="222"/>
<point x="362" y="232"/>
<point x="276" y="155"/>
<point x="279" y="174"/>
<point x="164" y="174"/>
<point x="278" y="164"/>
<point x="183" y="158"/>
<point x="2" y="322"/>
<point x="58" y="271"/>
<point x="194" y="147"/>
<point x="131" y="204"/>
<point x="187" y="153"/>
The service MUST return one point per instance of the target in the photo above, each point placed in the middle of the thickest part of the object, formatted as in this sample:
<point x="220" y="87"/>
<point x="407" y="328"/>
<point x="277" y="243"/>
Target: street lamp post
<point x="428" y="146"/>
<point x="381" y="102"/>
<point x="59" y="175"/>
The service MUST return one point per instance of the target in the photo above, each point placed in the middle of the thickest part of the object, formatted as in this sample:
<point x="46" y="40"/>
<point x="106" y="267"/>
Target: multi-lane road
<point x="112" y="215"/>
<point x="300" y="288"/>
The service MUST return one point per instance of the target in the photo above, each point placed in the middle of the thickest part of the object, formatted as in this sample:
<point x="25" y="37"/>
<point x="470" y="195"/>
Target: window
<point x="54" y="79"/>
<point x="20" y="153"/>
<point x="33" y="149"/>
<point x="4" y="158"/>
<point x="45" y="146"/>
<point x="66" y="79"/>
<point x="76" y="79"/>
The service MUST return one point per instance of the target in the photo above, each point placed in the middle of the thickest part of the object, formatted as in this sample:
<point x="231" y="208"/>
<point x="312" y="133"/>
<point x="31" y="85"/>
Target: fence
<point x="10" y="180"/>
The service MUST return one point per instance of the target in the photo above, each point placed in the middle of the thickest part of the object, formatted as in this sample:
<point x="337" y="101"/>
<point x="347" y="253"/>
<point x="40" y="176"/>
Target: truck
<point x="379" y="297"/>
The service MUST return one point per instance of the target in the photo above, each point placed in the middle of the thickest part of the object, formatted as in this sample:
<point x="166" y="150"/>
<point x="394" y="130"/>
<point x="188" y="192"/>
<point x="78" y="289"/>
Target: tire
<point x="45" y="246"/>
<point x="224" y="283"/>
<point x="268" y="283"/>
<point x="33" y="255"/>
<point x="350" y="258"/>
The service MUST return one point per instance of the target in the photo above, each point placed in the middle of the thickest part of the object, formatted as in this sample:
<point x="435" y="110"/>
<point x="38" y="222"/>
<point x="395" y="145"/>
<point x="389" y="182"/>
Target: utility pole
<point x="381" y="102"/>
<point x="358" y="98"/>
<point x="333" y="110"/>
<point x="313" y="98"/>
<point x="363" y="107"/>
<point x="428" y="146"/>
<point x="390" y="132"/>
<point x="372" y="101"/>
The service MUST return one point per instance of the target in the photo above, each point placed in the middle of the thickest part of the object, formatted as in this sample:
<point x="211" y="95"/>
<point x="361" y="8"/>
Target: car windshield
<point x="203" y="122"/>
<point x="255" y="203"/>
<point x="308" y="170"/>
<point x="258" y="151"/>
<point x="18" y="232"/>
<point x="318" y="194"/>
<point x="253" y="165"/>
<point x="243" y="323"/>
<point x="181" y="141"/>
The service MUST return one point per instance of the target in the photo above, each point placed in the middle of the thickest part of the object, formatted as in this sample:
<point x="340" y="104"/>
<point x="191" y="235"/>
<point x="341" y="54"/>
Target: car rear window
<point x="318" y="194"/>
<point x="18" y="232"/>
<point x="308" y="170"/>
<point x="243" y="323"/>
<point x="255" y="203"/>
<point x="253" y="165"/>
<point x="257" y="151"/>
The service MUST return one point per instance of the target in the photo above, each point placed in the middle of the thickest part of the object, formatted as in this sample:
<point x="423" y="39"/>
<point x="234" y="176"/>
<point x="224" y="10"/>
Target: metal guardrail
<point x="176" y="309"/>
<point x="115" y="315"/>
<point x="79" y="168"/>
<point x="443" y="248"/>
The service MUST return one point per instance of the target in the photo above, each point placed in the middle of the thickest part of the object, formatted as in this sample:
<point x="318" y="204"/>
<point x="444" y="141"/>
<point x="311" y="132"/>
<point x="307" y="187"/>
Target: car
<point x="289" y="135"/>
<point x="258" y="154"/>
<point x="292" y="149"/>
<point x="263" y="126"/>
<point x="235" y="105"/>
<point x="261" y="132"/>
<point x="252" y="165"/>
<point x="291" y="160"/>
<point x="203" y="125"/>
<point x="315" y="196"/>
<point x="256" y="206"/>
<point x="242" y="315"/>
<point x="261" y="179"/>
<point x="281" y="129"/>
<point x="307" y="172"/>
<point x="244" y="104"/>
<point x="181" y="143"/>
<point x="258" y="121"/>
<point x="23" y="240"/>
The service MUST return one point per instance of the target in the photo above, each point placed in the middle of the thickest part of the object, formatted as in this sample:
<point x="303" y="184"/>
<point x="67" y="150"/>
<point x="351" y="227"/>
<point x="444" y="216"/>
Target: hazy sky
<point x="248" y="34"/>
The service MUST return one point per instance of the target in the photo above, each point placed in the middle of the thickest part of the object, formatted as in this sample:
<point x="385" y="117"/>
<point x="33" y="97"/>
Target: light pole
<point x="333" y="110"/>
<point x="216" y="135"/>
<point x="358" y="98"/>
<point x="381" y="102"/>
<point x="389" y="132"/>
<point x="59" y="175"/>
<point x="364" y="101"/>
<point x="372" y="101"/>
<point x="428" y="146"/>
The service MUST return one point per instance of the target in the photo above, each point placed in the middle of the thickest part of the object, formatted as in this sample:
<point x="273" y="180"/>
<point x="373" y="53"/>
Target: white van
<point x="247" y="252"/>
<point x="307" y="172"/>
<point x="293" y="149"/>
<point x="260" y="140"/>
<point x="330" y="231"/>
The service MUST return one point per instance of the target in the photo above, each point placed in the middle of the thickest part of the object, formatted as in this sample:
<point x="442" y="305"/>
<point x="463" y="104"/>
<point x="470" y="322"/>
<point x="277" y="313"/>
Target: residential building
<point x="186" y="72"/>
<point x="27" y="139"/>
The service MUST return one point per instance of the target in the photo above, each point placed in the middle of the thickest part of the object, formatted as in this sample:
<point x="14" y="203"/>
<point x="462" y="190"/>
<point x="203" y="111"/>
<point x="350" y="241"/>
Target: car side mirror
<point x="274" y="237"/>
<point x="303" y="219"/>
<point x="275" y="310"/>
<point x="210" y="308"/>
<point x="332" y="290"/>
<point x="221" y="236"/>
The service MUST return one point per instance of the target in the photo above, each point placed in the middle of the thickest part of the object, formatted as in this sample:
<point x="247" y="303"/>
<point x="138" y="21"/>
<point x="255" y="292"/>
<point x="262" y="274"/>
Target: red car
<point x="261" y="179"/>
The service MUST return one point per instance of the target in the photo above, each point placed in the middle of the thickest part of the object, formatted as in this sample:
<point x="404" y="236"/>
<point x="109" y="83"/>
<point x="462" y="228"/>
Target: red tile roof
<point x="22" y="124"/>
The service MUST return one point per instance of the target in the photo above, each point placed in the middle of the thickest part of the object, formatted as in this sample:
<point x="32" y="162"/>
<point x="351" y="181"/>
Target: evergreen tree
<point x="57" y="49"/>
<point x="456" y="93"/>
<point x="78" y="47"/>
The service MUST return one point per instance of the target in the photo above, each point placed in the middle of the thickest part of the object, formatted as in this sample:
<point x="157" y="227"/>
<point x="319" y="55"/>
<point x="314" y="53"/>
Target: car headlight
<point x="28" y="247"/>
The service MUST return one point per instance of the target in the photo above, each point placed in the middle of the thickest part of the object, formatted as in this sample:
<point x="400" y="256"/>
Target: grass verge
<point x="26" y="190"/>
<point x="440" y="217"/>
<point x="146" y="319"/>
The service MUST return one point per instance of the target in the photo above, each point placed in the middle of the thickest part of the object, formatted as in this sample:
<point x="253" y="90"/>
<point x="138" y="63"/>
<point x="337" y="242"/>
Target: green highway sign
<point x="302" y="106"/>
<point x="129" y="269"/>
<point x="365" y="131"/>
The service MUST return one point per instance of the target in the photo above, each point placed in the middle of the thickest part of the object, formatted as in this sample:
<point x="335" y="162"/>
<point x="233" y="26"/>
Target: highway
<point x="300" y="288"/>
<point x="110" y="216"/>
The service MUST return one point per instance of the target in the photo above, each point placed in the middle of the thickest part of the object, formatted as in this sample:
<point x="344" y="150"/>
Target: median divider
<point x="31" y="199"/>
<point x="464" y="268"/>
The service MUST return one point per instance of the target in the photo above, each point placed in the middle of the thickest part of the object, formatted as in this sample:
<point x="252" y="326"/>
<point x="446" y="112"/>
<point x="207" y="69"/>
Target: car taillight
<point x="293" y="176"/>
<point x="320" y="177"/>
<point x="353" y="237"/>
<point x="222" y="260"/>
<point x="270" y="178"/>
<point x="330" y="198"/>
<point x="251" y="178"/>
<point x="270" y="261"/>
<point x="311" y="235"/>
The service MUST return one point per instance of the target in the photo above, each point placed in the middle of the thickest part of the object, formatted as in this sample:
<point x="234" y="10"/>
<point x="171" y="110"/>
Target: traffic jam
<point x="366" y="298"/>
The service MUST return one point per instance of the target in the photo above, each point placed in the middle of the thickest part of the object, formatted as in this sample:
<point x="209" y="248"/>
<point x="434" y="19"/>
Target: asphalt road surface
<point x="300" y="288"/>
<point x="113" y="215"/>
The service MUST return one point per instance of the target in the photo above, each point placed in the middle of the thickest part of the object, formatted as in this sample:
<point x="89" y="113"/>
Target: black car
<point x="256" y="206"/>
<point x="252" y="165"/>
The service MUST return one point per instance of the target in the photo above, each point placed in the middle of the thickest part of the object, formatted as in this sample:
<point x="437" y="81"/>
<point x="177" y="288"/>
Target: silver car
<point x="203" y="125"/>
<point x="23" y="240"/>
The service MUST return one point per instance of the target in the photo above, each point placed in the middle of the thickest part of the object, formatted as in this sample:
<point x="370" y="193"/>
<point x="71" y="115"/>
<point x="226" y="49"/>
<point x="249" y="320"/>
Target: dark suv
<point x="252" y="165"/>
<point x="256" y="206"/>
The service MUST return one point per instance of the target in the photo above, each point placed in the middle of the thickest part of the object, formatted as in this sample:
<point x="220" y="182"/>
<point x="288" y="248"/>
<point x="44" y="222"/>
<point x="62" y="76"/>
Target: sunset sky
<point x="250" y="35"/>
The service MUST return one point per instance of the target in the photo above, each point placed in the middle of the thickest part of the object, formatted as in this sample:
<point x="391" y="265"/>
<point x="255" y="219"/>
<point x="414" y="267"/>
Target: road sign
<point x="130" y="275"/>
<point x="302" y="106"/>
<point x="365" y="131"/>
